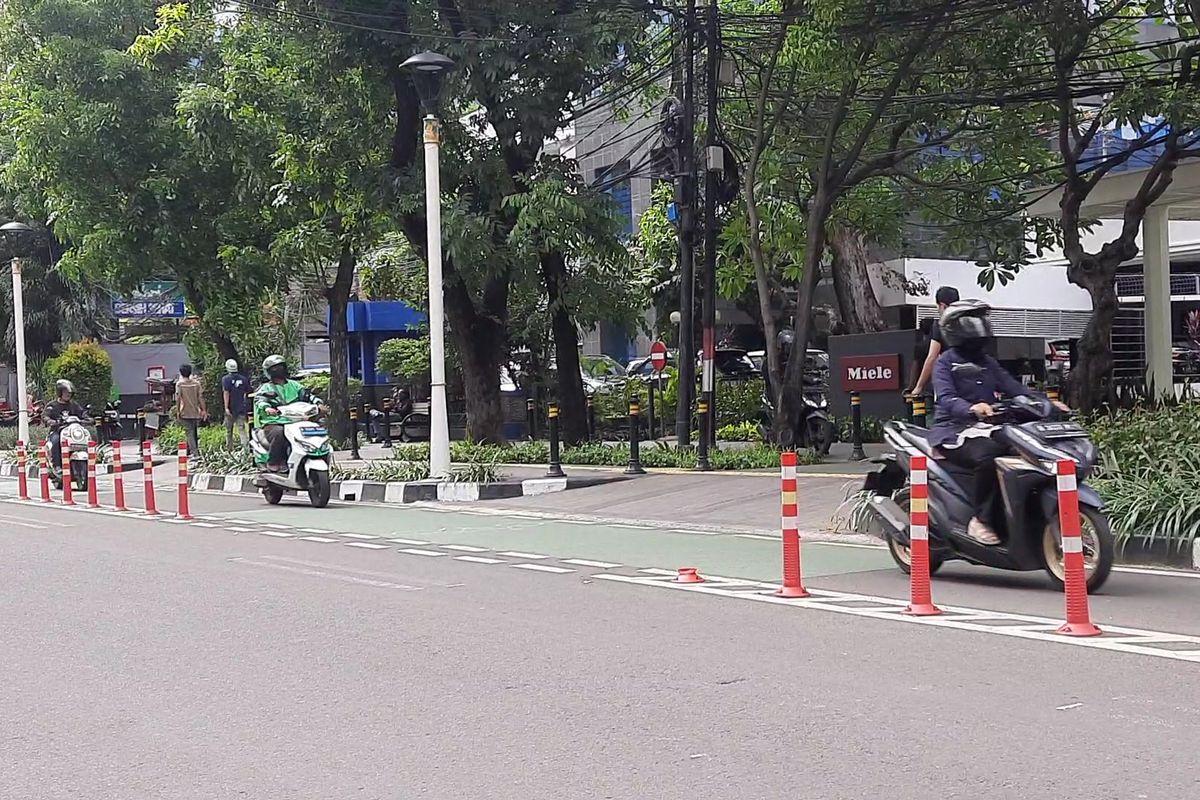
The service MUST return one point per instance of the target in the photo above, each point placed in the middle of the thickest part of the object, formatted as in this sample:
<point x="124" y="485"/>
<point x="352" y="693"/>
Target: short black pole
<point x="856" y="430"/>
<point x="702" y="444"/>
<point x="141" y="423"/>
<point x="387" y="422"/>
<point x="555" y="470"/>
<point x="909" y="400"/>
<point x="650" y="411"/>
<point x="919" y="411"/>
<point x="635" y="457"/>
<point x="354" y="454"/>
<point x="531" y="418"/>
<point x="591" y="419"/>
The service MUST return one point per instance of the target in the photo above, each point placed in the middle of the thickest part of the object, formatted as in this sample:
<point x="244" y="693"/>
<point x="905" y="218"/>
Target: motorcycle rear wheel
<point x="273" y="493"/>
<point x="319" y="489"/>
<point x="901" y="553"/>
<point x="1099" y="549"/>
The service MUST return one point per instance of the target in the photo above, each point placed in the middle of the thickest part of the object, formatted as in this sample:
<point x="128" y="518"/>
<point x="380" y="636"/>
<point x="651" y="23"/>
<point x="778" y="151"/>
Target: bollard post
<point x="856" y="427"/>
<point x="141" y="424"/>
<point x="702" y="462"/>
<point x="650" y="412"/>
<point x="118" y="478"/>
<point x="1052" y="394"/>
<point x="354" y="454"/>
<point x="531" y="418"/>
<point x="908" y="407"/>
<point x="185" y="511"/>
<point x="387" y="422"/>
<point x="591" y="419"/>
<point x="555" y="469"/>
<point x="919" y="411"/>
<point x="148" y="478"/>
<point x="793" y="579"/>
<point x="68" y="491"/>
<point x="22" y="473"/>
<point x="921" y="595"/>
<point x="93" y="496"/>
<point x="1079" y="618"/>
<point x="44" y="471"/>
<point x="635" y="456"/>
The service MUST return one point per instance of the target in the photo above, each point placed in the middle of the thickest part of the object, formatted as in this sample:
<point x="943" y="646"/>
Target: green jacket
<point x="274" y="395"/>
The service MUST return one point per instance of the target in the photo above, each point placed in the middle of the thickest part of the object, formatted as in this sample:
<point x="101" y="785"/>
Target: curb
<point x="411" y="492"/>
<point x="31" y="470"/>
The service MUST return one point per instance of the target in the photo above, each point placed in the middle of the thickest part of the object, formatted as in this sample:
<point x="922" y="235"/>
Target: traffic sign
<point x="658" y="356"/>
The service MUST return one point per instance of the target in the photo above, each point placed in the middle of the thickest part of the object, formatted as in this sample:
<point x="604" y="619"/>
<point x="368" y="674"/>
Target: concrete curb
<point x="31" y="470"/>
<point x="412" y="492"/>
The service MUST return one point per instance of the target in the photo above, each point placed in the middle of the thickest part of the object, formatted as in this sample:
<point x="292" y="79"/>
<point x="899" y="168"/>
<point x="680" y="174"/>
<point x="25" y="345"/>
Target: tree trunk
<point x="571" y="400"/>
<point x="1091" y="377"/>
<point x="857" y="305"/>
<point x="338" y="296"/>
<point x="791" y="392"/>
<point x="480" y="343"/>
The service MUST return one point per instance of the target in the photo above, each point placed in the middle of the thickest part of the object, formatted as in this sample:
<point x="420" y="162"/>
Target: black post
<point x="685" y="198"/>
<point x="591" y="419"/>
<point x="650" y="410"/>
<point x="635" y="457"/>
<point x="702" y="410"/>
<point x="354" y="454"/>
<point x="141" y="423"/>
<point x="856" y="431"/>
<point x="919" y="411"/>
<point x="713" y="167"/>
<point x="531" y="418"/>
<point x="909" y="400"/>
<point x="555" y="470"/>
<point x="387" y="422"/>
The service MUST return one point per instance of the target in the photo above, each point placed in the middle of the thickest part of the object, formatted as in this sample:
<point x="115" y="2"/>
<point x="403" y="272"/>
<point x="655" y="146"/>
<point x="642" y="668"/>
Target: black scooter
<point x="1031" y="538"/>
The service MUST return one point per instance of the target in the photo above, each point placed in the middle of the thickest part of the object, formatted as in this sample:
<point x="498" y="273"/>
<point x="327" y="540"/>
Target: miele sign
<point x="879" y="373"/>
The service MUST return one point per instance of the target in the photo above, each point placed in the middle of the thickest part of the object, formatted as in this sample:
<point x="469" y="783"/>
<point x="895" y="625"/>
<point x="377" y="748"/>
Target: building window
<point x="615" y="182"/>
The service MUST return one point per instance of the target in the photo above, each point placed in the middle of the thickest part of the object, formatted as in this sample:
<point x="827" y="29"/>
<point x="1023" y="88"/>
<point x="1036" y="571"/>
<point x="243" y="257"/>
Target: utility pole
<point x="685" y="198"/>
<point x="713" y="166"/>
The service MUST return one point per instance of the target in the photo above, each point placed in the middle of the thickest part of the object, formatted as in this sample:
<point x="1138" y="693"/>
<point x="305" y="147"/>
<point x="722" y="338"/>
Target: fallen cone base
<point x="689" y="575"/>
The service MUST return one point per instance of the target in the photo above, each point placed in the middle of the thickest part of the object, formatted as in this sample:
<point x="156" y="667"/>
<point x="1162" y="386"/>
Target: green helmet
<point x="274" y="362"/>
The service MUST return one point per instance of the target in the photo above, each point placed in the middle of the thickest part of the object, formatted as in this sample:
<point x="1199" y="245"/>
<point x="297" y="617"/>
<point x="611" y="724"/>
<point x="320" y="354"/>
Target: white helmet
<point x="231" y="366"/>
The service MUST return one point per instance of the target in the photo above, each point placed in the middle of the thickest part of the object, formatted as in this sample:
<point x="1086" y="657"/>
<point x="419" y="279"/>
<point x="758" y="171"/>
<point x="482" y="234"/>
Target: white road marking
<point x="324" y="574"/>
<point x="693" y="532"/>
<point x="583" y="562"/>
<point x="321" y="539"/>
<point x="408" y="541"/>
<point x="204" y="525"/>
<point x="1021" y="626"/>
<point x="413" y="551"/>
<point x="22" y="523"/>
<point x="465" y="548"/>
<point x="479" y="560"/>
<point x="757" y="536"/>
<point x="542" y="568"/>
<point x="519" y="554"/>
<point x="276" y="534"/>
<point x="367" y="545"/>
<point x="241" y="530"/>
<point x="277" y="526"/>
<point x="656" y="571"/>
<point x="1158" y="573"/>
<point x="357" y="536"/>
<point x="316" y="531"/>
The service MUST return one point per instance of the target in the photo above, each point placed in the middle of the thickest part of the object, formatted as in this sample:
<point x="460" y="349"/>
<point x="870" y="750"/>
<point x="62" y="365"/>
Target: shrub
<point x="602" y="455"/>
<point x="872" y="429"/>
<point x="87" y="365"/>
<point x="8" y="438"/>
<point x="741" y="432"/>
<point x="739" y="401"/>
<point x="319" y="385"/>
<point x="404" y="359"/>
<point x="223" y="462"/>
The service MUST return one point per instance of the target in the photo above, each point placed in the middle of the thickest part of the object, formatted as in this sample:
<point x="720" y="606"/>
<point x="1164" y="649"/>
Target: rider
<point x="966" y="381"/>
<point x="55" y="415"/>
<point x="280" y="390"/>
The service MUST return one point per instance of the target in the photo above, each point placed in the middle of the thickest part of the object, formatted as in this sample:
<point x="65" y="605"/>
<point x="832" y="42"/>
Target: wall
<point x="1038" y="286"/>
<point x="130" y="362"/>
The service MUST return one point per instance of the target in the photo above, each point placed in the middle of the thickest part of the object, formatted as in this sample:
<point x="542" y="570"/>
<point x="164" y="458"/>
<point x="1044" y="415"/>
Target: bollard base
<point x="922" y="610"/>
<point x="858" y="455"/>
<point x="555" y="471"/>
<point x="689" y="575"/>
<point x="792" y="592"/>
<point x="1079" y="629"/>
<point x="634" y="470"/>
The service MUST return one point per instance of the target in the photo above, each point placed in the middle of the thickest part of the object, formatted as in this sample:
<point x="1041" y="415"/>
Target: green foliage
<point x="740" y="401"/>
<point x="213" y="461"/>
<point x="318" y="384"/>
<point x="740" y="432"/>
<point x="405" y="359"/>
<point x="88" y="366"/>
<point x="393" y="271"/>
<point x="212" y="439"/>
<point x="37" y="435"/>
<point x="603" y="455"/>
<point x="872" y="429"/>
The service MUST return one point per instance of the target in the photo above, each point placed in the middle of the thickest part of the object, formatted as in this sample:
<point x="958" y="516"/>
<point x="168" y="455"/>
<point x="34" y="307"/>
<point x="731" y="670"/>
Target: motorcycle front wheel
<point x="318" y="489"/>
<point x="1099" y="549"/>
<point x="79" y="475"/>
<point x="901" y="553"/>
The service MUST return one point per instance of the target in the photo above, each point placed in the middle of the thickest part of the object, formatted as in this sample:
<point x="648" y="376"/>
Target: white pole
<point x="439" y="425"/>
<point x="19" y="328"/>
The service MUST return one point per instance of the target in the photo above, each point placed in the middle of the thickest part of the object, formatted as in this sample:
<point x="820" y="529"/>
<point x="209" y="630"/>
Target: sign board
<point x="878" y="373"/>
<point x="153" y="300"/>
<point x="658" y="356"/>
<point x="156" y="373"/>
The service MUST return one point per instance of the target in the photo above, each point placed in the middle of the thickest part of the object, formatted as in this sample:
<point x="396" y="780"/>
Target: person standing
<point x="235" y="387"/>
<point x="189" y="406"/>
<point x="945" y="296"/>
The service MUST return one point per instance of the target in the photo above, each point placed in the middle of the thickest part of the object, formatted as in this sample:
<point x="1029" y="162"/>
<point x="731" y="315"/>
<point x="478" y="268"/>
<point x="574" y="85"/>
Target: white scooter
<point x="309" y="456"/>
<point x="73" y="439"/>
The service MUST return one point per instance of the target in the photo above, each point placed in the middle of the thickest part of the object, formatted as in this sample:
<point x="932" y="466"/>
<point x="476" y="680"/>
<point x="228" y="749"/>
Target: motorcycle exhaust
<point x="890" y="514"/>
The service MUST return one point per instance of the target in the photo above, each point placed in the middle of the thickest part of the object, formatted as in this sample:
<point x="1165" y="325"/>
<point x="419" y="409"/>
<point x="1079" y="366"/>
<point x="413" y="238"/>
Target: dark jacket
<point x="958" y="384"/>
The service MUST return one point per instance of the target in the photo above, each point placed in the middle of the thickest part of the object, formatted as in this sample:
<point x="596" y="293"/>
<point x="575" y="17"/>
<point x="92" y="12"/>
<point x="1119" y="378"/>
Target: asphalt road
<point x="245" y="657"/>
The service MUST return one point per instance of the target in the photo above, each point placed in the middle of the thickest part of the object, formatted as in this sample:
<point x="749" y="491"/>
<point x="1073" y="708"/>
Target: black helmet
<point x="966" y="323"/>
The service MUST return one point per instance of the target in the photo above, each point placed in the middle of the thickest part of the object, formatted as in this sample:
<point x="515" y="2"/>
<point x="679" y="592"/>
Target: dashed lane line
<point x="415" y="551"/>
<point x="367" y="545"/>
<point x="519" y="554"/>
<point x="276" y="534"/>
<point x="584" y="562"/>
<point x="480" y="560"/>
<point x="321" y="539"/>
<point x="464" y="548"/>
<point x="542" y="568"/>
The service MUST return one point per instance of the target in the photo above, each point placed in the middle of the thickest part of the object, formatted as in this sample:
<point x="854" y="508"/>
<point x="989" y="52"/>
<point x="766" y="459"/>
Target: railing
<point x="1135" y="285"/>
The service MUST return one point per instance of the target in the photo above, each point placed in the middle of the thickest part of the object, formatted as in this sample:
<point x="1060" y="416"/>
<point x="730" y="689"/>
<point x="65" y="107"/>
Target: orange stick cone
<point x="921" y="593"/>
<point x="793" y="579"/>
<point x="1079" y="617"/>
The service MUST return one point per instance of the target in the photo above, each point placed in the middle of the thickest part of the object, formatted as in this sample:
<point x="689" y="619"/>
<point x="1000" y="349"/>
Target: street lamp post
<point x="14" y="232"/>
<point x="428" y="71"/>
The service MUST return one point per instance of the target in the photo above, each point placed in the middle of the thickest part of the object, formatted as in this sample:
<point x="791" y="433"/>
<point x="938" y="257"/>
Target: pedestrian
<point x="236" y="389"/>
<point x="945" y="296"/>
<point x="189" y="406"/>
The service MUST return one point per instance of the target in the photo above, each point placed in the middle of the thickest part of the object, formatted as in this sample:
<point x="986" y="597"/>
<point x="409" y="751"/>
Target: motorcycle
<point x="1030" y="531"/>
<point x="109" y="429"/>
<point x="816" y="429"/>
<point x="309" y="456"/>
<point x="73" y="439"/>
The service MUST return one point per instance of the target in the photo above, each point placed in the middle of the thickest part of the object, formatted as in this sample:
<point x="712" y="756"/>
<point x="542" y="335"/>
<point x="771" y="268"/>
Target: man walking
<point x="945" y="296"/>
<point x="236" y="389"/>
<point x="189" y="406"/>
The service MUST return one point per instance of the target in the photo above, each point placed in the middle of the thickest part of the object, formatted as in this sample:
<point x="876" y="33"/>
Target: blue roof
<point x="383" y="315"/>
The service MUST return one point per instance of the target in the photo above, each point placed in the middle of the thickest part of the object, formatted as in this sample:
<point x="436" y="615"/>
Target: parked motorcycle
<point x="74" y="438"/>
<point x="816" y="429"/>
<point x="309" y="456"/>
<point x="1029" y="526"/>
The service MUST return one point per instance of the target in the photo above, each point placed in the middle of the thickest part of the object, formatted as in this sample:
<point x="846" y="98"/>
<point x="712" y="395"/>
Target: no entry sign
<point x="658" y="356"/>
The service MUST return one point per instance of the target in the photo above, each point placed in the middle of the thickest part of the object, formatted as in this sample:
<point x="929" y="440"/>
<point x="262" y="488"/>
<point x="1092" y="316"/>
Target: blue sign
<point x="148" y="309"/>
